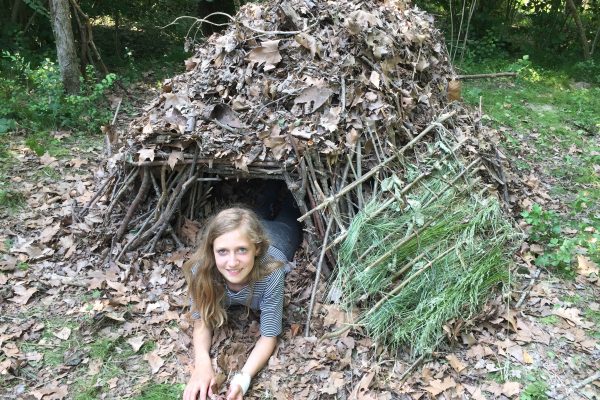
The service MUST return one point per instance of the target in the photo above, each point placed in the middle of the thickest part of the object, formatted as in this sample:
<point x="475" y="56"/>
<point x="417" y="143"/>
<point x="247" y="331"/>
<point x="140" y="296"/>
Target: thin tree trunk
<point x="117" y="31"/>
<point x="14" y="15"/>
<point x="581" y="31"/>
<point x="594" y="42"/>
<point x="65" y="45"/>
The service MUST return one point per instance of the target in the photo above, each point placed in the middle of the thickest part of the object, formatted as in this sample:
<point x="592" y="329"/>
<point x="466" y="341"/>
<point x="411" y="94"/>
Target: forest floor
<point x="71" y="328"/>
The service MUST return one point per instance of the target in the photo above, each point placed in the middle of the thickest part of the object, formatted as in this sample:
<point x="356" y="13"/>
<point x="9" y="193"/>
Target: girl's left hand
<point x="235" y="393"/>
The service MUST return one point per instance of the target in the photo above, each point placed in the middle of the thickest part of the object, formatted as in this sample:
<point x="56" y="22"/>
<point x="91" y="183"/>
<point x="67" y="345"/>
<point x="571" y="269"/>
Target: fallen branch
<point x="581" y="384"/>
<point x="411" y="368"/>
<point x="484" y="76"/>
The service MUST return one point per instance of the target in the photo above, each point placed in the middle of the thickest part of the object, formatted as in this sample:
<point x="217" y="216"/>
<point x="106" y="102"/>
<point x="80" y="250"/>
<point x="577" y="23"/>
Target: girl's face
<point x="234" y="256"/>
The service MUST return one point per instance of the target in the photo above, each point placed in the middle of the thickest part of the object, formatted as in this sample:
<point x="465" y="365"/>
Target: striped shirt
<point x="267" y="297"/>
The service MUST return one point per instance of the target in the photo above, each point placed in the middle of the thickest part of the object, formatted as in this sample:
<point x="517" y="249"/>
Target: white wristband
<point x="242" y="379"/>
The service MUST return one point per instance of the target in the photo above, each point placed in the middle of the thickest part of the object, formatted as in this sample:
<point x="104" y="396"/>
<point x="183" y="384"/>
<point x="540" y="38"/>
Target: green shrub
<point x="33" y="98"/>
<point x="535" y="391"/>
<point x="545" y="225"/>
<point x="588" y="71"/>
<point x="559" y="252"/>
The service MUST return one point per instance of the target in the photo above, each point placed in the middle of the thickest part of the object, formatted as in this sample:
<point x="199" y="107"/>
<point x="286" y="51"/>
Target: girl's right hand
<point x="201" y="382"/>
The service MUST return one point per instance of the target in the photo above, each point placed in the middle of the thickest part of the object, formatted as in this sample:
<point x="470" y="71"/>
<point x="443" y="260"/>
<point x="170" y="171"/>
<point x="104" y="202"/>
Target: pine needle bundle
<point x="432" y="256"/>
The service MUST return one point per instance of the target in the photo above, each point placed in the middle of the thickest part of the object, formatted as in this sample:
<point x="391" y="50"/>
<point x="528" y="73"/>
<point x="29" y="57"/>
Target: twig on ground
<point x="528" y="288"/>
<point x="411" y="368"/>
<point x="581" y="384"/>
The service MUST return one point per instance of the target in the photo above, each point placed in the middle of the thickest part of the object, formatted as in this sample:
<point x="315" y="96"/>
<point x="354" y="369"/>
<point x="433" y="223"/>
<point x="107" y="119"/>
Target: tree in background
<point x="60" y="17"/>
<point x="483" y="28"/>
<point x="582" y="36"/>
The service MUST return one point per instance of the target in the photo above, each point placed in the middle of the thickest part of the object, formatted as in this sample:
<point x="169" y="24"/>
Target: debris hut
<point x="345" y="101"/>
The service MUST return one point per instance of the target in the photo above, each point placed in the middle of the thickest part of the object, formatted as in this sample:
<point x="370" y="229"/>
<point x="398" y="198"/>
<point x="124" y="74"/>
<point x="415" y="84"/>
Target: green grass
<point x="22" y="266"/>
<point x="573" y="299"/>
<point x="594" y="317"/>
<point x="50" y="346"/>
<point x="550" y="320"/>
<point x="536" y="390"/>
<point x="114" y="355"/>
<point x="410" y="285"/>
<point x="547" y="125"/>
<point x="161" y="391"/>
<point x="11" y="200"/>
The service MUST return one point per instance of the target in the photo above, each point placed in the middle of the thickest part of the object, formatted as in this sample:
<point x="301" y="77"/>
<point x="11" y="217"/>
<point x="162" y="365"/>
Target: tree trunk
<point x="65" y="45"/>
<point x="582" y="37"/>
<point x="16" y="8"/>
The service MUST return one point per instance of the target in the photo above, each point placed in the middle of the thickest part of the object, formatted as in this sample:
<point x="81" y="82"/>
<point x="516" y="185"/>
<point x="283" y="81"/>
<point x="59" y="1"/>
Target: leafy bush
<point x="559" y="255"/>
<point x="588" y="71"/>
<point x="545" y="225"/>
<point x="535" y="391"/>
<point x="33" y="98"/>
<point x="559" y="252"/>
<point x="489" y="46"/>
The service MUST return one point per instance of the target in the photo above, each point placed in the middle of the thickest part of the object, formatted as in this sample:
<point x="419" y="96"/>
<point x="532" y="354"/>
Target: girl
<point x="236" y="264"/>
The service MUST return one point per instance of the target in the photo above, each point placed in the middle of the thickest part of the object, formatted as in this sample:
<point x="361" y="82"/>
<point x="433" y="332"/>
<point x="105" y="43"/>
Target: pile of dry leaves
<point x="296" y="75"/>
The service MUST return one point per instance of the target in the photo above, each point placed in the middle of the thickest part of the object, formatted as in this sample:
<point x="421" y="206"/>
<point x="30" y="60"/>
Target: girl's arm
<point x="270" y="326"/>
<point x="260" y="355"/>
<point x="256" y="361"/>
<point x="203" y="377"/>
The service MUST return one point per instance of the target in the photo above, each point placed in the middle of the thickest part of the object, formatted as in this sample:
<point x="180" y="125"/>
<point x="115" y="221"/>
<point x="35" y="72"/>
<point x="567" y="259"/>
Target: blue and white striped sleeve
<point x="271" y="305"/>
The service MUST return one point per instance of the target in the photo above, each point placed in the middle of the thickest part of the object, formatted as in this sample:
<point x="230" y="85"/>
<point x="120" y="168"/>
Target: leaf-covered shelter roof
<point x="292" y="75"/>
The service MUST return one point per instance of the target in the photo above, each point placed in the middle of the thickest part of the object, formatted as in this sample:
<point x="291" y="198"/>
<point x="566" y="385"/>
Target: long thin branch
<point x="377" y="168"/>
<point x="462" y="53"/>
<point x="90" y="36"/>
<point x="483" y="76"/>
<point x="233" y="19"/>
<point x="98" y="193"/>
<point x="132" y="175"/>
<point x="594" y="42"/>
<point x="404" y="190"/>
<point x="317" y="277"/>
<point x="134" y="204"/>
<point x="581" y="384"/>
<point x="397" y="289"/>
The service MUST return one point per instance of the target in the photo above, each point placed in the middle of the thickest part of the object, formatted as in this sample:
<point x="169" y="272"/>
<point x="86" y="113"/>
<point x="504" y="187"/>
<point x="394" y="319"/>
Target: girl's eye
<point x="242" y="250"/>
<point x="221" y="252"/>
